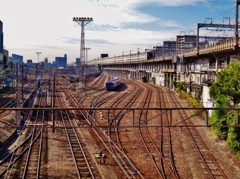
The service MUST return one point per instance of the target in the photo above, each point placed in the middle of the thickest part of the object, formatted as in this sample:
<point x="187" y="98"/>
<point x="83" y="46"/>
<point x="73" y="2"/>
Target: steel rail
<point x="38" y="147"/>
<point x="197" y="139"/>
<point x="146" y="137"/>
<point x="173" y="169"/>
<point x="78" y="167"/>
<point x="143" y="113"/>
<point x="100" y="134"/>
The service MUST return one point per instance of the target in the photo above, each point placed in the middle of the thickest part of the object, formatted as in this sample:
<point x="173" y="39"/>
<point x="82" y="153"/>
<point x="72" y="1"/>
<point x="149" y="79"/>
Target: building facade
<point x="61" y="61"/>
<point x="78" y="62"/>
<point x="17" y="58"/>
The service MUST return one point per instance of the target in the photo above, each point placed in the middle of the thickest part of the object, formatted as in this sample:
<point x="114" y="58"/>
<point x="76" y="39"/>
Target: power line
<point x="223" y="13"/>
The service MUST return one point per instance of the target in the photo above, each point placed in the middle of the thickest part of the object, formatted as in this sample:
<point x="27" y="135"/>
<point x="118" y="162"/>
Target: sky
<point x="118" y="26"/>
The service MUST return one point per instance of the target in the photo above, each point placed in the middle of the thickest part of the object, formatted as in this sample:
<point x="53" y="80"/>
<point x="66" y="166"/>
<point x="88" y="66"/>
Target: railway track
<point x="119" y="156"/>
<point x="25" y="160"/>
<point x="163" y="164"/>
<point x="206" y="160"/>
<point x="82" y="161"/>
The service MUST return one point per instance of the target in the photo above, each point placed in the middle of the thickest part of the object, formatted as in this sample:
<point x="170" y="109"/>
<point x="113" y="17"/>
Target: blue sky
<point x="118" y="25"/>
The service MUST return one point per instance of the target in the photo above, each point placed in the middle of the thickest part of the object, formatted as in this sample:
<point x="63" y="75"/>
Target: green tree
<point x="224" y="89"/>
<point x="221" y="102"/>
<point x="4" y="59"/>
<point x="227" y="82"/>
<point x="180" y="86"/>
<point x="10" y="64"/>
<point x="233" y="138"/>
<point x="144" y="79"/>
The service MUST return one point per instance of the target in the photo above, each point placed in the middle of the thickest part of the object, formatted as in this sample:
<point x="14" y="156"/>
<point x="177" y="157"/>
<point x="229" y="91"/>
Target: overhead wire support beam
<point x="237" y="2"/>
<point x="234" y="26"/>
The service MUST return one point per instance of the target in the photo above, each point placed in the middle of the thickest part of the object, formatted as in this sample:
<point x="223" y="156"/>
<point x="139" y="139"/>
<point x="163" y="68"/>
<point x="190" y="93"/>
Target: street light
<point x="86" y="49"/>
<point x="38" y="53"/>
<point x="138" y="51"/>
<point x="114" y="57"/>
<point x="130" y="55"/>
<point x="150" y="48"/>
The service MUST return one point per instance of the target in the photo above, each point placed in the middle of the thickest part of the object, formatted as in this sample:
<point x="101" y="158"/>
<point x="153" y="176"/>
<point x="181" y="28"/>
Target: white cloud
<point x="47" y="26"/>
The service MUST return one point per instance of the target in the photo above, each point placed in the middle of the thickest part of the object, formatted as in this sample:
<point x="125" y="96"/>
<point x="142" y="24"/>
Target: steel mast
<point x="82" y="21"/>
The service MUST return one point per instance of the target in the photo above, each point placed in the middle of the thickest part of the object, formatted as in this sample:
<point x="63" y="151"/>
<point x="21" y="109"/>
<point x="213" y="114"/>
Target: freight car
<point x="113" y="84"/>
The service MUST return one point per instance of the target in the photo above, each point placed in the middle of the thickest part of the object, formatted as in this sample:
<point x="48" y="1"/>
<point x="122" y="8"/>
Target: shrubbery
<point x="180" y="86"/>
<point x="144" y="79"/>
<point x="226" y="118"/>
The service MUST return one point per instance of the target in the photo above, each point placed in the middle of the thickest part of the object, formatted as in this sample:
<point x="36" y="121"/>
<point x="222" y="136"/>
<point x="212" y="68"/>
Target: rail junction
<point x="138" y="131"/>
<point x="52" y="128"/>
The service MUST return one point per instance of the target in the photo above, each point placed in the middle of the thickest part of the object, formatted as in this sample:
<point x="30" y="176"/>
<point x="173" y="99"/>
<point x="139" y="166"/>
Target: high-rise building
<point x="17" y="58"/>
<point x="1" y="41"/>
<point x="61" y="61"/>
<point x="78" y="62"/>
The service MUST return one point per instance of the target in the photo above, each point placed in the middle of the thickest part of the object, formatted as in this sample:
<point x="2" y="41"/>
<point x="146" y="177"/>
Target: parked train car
<point x="113" y="84"/>
<point x="75" y="79"/>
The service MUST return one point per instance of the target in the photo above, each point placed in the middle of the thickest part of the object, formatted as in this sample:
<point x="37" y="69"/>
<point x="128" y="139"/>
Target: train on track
<point x="113" y="84"/>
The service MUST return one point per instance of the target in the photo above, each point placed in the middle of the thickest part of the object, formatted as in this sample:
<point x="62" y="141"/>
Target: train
<point x="113" y="84"/>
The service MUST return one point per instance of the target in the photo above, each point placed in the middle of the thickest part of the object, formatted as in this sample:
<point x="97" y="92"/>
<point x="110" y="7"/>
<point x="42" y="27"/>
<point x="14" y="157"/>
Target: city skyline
<point x="117" y="27"/>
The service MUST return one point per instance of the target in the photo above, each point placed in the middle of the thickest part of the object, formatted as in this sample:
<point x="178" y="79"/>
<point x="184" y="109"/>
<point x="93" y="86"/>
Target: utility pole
<point x="86" y="67"/>
<point x="54" y="113"/>
<point x="37" y="71"/>
<point x="17" y="97"/>
<point x="237" y="2"/>
<point x="130" y="56"/>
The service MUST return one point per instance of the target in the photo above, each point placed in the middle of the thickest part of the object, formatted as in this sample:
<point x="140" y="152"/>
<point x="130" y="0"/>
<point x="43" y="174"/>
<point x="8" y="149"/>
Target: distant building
<point x="169" y="48"/>
<point x="185" y="42"/>
<point x="45" y="62"/>
<point x="30" y="64"/>
<point x="1" y="41"/>
<point x="158" y="51"/>
<point x="29" y="61"/>
<point x="61" y="61"/>
<point x="53" y="64"/>
<point x="104" y="55"/>
<point x="78" y="61"/>
<point x="17" y="58"/>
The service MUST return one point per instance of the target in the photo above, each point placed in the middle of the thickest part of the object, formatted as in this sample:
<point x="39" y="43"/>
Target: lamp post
<point x="86" y="49"/>
<point x="38" y="53"/>
<point x="150" y="48"/>
<point x="130" y="55"/>
<point x="114" y="58"/>
<point x="138" y="52"/>
<point x="138" y="55"/>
